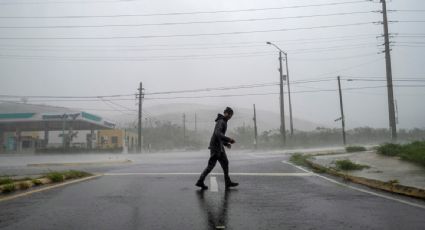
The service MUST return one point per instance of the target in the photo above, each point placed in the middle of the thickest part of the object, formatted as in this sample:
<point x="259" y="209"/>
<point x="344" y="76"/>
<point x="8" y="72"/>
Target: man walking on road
<point x="218" y="153"/>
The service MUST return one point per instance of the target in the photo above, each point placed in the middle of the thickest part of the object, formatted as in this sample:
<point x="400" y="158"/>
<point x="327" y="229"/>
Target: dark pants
<point x="224" y="162"/>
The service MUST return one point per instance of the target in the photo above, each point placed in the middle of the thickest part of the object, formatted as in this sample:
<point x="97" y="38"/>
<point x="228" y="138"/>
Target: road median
<point x="11" y="189"/>
<point x="392" y="186"/>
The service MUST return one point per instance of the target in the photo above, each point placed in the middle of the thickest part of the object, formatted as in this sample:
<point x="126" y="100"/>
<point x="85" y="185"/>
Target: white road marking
<point x="213" y="174"/>
<point x="80" y="163"/>
<point x="213" y="184"/>
<point x="359" y="189"/>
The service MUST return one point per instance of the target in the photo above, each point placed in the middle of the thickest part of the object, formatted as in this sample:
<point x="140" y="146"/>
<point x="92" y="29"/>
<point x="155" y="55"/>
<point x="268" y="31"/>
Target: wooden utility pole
<point x="184" y="130"/>
<point x="282" y="108"/>
<point x="291" y="122"/>
<point x="196" y="123"/>
<point x="342" y="112"/>
<point x="139" y="126"/>
<point x="255" y="129"/>
<point x="391" y="109"/>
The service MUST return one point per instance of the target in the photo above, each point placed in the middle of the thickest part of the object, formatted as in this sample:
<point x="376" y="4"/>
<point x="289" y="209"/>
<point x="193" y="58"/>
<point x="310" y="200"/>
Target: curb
<point x="372" y="183"/>
<point x="49" y="185"/>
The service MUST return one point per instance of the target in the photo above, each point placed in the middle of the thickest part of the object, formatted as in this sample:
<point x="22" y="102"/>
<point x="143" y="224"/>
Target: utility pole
<point x="196" y="123"/>
<point x="64" y="117"/>
<point x="391" y="109"/>
<point x="342" y="112"/>
<point x="282" y="108"/>
<point x="184" y="130"/>
<point x="255" y="129"/>
<point x="139" y="126"/>
<point x="289" y="95"/>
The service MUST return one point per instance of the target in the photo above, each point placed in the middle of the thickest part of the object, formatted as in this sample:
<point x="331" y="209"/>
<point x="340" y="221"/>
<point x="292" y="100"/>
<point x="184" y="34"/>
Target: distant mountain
<point x="205" y="116"/>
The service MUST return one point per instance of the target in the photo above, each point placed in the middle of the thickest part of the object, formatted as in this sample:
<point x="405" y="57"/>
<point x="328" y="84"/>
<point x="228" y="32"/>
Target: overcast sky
<point x="173" y="54"/>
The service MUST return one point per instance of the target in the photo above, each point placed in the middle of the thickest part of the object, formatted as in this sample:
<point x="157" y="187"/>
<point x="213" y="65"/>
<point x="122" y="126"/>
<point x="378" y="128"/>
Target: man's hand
<point x="232" y="141"/>
<point x="229" y="146"/>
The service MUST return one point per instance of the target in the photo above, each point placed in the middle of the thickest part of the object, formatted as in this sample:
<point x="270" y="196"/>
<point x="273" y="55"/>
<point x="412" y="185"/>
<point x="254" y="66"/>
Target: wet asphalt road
<point x="157" y="191"/>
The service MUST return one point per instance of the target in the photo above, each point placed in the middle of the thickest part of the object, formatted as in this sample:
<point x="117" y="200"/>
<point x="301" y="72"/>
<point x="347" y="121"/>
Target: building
<point x="117" y="139"/>
<point x="26" y="127"/>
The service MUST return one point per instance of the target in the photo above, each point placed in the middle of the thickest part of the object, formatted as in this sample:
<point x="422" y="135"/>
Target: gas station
<point x="21" y="125"/>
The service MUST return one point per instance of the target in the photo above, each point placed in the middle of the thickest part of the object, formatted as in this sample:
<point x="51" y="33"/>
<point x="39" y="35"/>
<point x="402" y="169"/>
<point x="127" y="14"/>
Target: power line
<point x="189" y="13"/>
<point x="184" y="57"/>
<point x="407" y="10"/>
<point x="263" y="94"/>
<point x="352" y="67"/>
<point x="214" y="89"/>
<point x="164" y="92"/>
<point x="75" y="49"/>
<point x="411" y="21"/>
<point x="206" y="45"/>
<point x="195" y="56"/>
<point x="189" y="35"/>
<point x="60" y="2"/>
<point x="182" y="23"/>
<point x="245" y="94"/>
<point x="64" y="97"/>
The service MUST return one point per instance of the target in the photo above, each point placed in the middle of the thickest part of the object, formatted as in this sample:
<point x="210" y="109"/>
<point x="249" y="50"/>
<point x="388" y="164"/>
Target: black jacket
<point x="218" y="139"/>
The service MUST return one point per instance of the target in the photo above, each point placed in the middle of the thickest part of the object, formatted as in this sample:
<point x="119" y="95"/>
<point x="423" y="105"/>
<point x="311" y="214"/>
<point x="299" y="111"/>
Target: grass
<point x="390" y="149"/>
<point x="55" y="177"/>
<point x="8" y="188"/>
<point x="36" y="182"/>
<point x="299" y="159"/>
<point x="351" y="149"/>
<point x="413" y="152"/>
<point x="5" y="180"/>
<point x="72" y="174"/>
<point x="348" y="165"/>
<point x="66" y="175"/>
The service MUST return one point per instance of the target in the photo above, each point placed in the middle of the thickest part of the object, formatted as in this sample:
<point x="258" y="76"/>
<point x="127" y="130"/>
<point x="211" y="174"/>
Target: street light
<point x="281" y="84"/>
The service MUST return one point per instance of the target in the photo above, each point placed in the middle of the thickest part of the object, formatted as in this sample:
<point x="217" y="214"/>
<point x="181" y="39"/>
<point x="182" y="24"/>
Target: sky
<point x="107" y="47"/>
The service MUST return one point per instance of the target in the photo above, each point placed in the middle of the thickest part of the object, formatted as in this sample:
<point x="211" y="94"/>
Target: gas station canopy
<point x="29" y="117"/>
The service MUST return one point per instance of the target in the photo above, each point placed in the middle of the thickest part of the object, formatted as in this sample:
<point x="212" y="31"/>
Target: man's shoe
<point x="231" y="184"/>
<point x="201" y="185"/>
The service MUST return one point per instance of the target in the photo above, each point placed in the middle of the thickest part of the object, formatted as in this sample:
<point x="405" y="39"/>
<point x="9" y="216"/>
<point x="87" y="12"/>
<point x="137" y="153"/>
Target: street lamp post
<point x="287" y="79"/>
<point x="282" y="107"/>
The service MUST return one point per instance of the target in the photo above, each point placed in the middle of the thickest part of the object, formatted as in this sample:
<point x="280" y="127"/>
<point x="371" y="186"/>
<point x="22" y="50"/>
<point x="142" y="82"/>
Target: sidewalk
<point x="382" y="168"/>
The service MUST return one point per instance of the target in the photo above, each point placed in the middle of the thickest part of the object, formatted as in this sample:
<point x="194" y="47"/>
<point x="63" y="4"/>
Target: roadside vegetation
<point x="55" y="177"/>
<point x="352" y="149"/>
<point x="347" y="165"/>
<point x="5" y="180"/>
<point x="299" y="159"/>
<point x="36" y="182"/>
<point x="8" y="188"/>
<point x="413" y="152"/>
<point x="66" y="175"/>
<point x="9" y="185"/>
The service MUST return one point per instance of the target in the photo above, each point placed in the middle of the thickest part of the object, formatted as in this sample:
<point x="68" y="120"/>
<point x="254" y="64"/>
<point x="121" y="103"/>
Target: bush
<point x="36" y="182"/>
<point x="8" y="188"/>
<point x="414" y="152"/>
<point x="351" y="149"/>
<point x="347" y="165"/>
<point x="5" y="180"/>
<point x="299" y="159"/>
<point x="389" y="149"/>
<point x="23" y="185"/>
<point x="55" y="176"/>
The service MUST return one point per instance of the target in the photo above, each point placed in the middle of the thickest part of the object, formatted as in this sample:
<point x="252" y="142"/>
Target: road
<point x="157" y="191"/>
